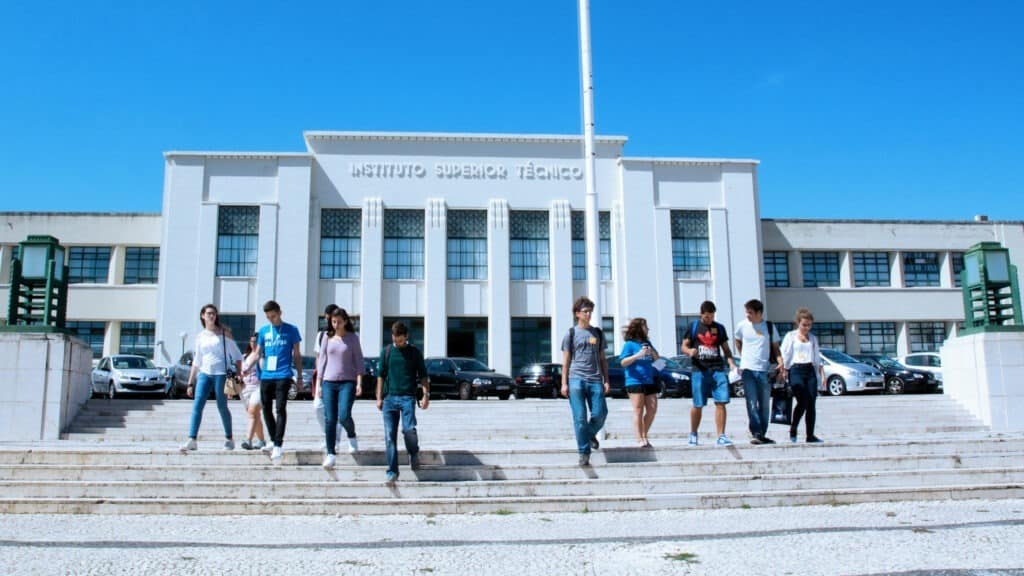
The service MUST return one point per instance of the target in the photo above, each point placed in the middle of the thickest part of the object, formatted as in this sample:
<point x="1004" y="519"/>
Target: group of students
<point x="706" y="342"/>
<point x="267" y="368"/>
<point x="272" y="364"/>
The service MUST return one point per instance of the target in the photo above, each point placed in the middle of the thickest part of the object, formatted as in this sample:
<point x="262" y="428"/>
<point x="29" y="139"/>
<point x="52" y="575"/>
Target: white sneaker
<point x="601" y="435"/>
<point x="268" y="447"/>
<point x="353" y="445"/>
<point x="229" y="444"/>
<point x="189" y="446"/>
<point x="329" y="462"/>
<point x="275" y="455"/>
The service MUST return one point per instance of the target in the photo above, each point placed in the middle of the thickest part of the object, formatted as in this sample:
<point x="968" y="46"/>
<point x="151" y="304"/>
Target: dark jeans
<point x="271" y="390"/>
<point x="758" y="395"/>
<point x="395" y="408"/>
<point x="338" y="398"/>
<point x="804" y="382"/>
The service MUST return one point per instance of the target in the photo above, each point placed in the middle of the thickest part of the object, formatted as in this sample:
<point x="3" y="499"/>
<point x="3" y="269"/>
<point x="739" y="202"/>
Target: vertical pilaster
<point x="560" y="239"/>
<point x="266" y="267"/>
<point x="435" y="276"/>
<point x="499" y="325"/>
<point x="115" y="275"/>
<point x="896" y="270"/>
<point x="796" y="269"/>
<point x="721" y="283"/>
<point x="372" y="270"/>
<point x="845" y="269"/>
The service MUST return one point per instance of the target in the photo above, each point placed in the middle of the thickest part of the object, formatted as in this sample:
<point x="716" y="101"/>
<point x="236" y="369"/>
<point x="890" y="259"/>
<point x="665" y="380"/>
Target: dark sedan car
<point x="466" y="379"/>
<point x="736" y="389"/>
<point x="674" y="379"/>
<point x="541" y="379"/>
<point x="899" y="378"/>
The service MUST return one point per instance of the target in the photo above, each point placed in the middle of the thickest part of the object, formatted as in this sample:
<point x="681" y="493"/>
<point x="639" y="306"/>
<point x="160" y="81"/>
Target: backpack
<point x="572" y="343"/>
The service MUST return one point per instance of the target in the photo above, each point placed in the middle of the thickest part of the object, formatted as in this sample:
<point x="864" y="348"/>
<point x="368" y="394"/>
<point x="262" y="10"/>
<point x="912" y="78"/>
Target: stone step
<point x="464" y="505"/>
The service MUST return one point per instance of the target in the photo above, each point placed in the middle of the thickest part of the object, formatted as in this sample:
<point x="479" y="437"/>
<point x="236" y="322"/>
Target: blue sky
<point x="871" y="109"/>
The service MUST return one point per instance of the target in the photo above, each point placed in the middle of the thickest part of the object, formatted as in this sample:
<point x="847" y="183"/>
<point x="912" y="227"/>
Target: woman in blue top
<point x="638" y="357"/>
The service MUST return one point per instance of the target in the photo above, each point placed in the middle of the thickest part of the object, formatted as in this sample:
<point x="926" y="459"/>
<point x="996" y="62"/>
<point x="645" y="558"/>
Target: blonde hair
<point x="803" y="314"/>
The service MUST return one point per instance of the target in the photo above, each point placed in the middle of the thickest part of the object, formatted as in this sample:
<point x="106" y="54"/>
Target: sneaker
<point x="229" y="444"/>
<point x="756" y="441"/>
<point x="584" y="459"/>
<point x="594" y="443"/>
<point x="189" y="446"/>
<point x="267" y="447"/>
<point x="792" y="439"/>
<point x="259" y="445"/>
<point x="601" y="434"/>
<point x="767" y="440"/>
<point x="275" y="455"/>
<point x="246" y="445"/>
<point x="414" y="461"/>
<point x="353" y="445"/>
<point x="391" y="478"/>
<point x="723" y="440"/>
<point x="814" y="440"/>
<point x="694" y="440"/>
<point x="329" y="462"/>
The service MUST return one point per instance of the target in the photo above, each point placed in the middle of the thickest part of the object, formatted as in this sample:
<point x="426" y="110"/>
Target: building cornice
<point x="313" y="135"/>
<point x="236" y="155"/>
<point x="92" y="214"/>
<point x="894" y="221"/>
<point x="689" y="161"/>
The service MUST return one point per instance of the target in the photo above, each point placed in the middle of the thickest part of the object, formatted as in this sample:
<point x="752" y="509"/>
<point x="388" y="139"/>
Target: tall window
<point x="238" y="232"/>
<point x="137" y="338"/>
<point x="691" y="249"/>
<point x="528" y="246"/>
<point x="91" y="332"/>
<point x="531" y="342"/>
<point x="141" y="265"/>
<point x="683" y="324"/>
<point x="926" y="336"/>
<point x="830" y="335"/>
<point x="877" y="337"/>
<point x="403" y="245"/>
<point x="870" y="269"/>
<point x="340" y="243"/>
<point x="242" y="326"/>
<point x="88" y="264"/>
<point x="820" y="269"/>
<point x="782" y="328"/>
<point x="467" y="244"/>
<point x="468" y="337"/>
<point x="776" y="270"/>
<point x="608" y="327"/>
<point x="957" y="261"/>
<point x="920" y="269"/>
<point x="579" y="245"/>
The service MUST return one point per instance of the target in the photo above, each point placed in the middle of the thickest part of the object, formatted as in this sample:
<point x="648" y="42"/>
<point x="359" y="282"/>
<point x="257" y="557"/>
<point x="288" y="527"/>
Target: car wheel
<point x="111" y="391"/>
<point x="502" y="396"/>
<point x="465" y="391"/>
<point x="895" y="385"/>
<point x="836" y="386"/>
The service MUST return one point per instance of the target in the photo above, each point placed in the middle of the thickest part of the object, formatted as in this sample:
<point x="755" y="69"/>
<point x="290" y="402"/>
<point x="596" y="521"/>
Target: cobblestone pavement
<point x="962" y="538"/>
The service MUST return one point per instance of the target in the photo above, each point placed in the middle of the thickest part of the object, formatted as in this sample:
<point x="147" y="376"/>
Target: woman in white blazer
<point x="801" y="367"/>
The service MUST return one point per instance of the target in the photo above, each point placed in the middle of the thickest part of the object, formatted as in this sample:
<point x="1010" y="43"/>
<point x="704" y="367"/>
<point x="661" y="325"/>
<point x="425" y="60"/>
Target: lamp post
<point x="991" y="294"/>
<point x="39" y="285"/>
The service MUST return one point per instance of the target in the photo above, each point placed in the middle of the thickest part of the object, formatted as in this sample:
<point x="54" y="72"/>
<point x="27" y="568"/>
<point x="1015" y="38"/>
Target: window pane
<point x="528" y="246"/>
<point x="141" y="265"/>
<point x="926" y="336"/>
<point x="88" y="264"/>
<point x="877" y="337"/>
<point x="957" y="259"/>
<point x="830" y="335"/>
<point x="820" y="269"/>
<point x="691" y="253"/>
<point x="340" y="243"/>
<point x="920" y="269"/>
<point x="238" y="229"/>
<point x="242" y="326"/>
<point x="776" y="270"/>
<point x="870" y="269"/>
<point x="91" y="332"/>
<point x="137" y="338"/>
<point x="403" y="245"/>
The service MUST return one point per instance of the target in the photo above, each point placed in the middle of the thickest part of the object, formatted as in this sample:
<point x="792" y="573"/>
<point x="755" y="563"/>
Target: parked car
<point x="845" y="374"/>
<point x="305" y="392"/>
<point x="927" y="361"/>
<point x="466" y="379"/>
<point x="127" y="374"/>
<point x="540" y="379"/>
<point x="899" y="378"/>
<point x="179" y="376"/>
<point x="674" y="379"/>
<point x="371" y="369"/>
<point x="736" y="389"/>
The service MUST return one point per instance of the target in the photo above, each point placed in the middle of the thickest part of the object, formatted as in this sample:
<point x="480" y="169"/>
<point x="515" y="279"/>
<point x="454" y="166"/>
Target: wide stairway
<point x="121" y="456"/>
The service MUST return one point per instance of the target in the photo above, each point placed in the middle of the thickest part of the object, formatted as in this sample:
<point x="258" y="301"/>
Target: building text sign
<point x="465" y="171"/>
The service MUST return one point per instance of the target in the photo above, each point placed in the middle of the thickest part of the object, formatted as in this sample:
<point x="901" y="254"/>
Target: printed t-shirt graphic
<point x="708" y="341"/>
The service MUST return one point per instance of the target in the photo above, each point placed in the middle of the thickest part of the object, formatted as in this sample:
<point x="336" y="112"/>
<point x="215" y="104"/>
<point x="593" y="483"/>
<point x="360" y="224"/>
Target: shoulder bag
<point x="233" y="385"/>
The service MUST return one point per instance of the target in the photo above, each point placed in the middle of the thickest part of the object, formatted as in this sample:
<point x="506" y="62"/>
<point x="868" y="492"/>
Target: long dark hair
<point x="340" y="313"/>
<point x="637" y="330"/>
<point x="215" y="311"/>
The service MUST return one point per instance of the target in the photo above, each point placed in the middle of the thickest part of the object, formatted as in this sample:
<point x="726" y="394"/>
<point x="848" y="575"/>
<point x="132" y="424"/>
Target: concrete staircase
<point x="516" y="456"/>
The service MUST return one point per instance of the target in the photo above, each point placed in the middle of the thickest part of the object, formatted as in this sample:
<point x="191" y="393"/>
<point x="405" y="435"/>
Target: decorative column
<point x="499" y="325"/>
<point x="560" y="248"/>
<point x="435" y="277"/>
<point x="372" y="270"/>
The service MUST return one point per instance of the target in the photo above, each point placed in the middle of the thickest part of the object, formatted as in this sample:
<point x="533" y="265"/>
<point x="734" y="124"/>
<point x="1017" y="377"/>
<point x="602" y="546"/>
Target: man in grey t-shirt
<point x="585" y="378"/>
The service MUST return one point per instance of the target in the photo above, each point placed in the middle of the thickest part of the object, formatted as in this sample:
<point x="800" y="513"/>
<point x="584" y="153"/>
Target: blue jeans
<point x="202" y="392"/>
<point x="758" y="393"/>
<point x="396" y="407"/>
<point x="581" y="395"/>
<point x="709" y="382"/>
<point x="338" y="399"/>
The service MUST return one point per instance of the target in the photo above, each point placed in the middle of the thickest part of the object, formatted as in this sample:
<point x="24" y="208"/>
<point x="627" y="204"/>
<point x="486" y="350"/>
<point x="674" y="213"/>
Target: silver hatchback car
<point x="126" y="374"/>
<point x="845" y="374"/>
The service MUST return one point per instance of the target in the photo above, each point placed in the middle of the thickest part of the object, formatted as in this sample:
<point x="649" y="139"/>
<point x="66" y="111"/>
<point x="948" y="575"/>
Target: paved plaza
<point x="966" y="537"/>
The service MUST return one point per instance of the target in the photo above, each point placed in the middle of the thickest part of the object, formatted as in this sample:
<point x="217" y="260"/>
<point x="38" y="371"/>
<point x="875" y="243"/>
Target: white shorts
<point x="251" y="397"/>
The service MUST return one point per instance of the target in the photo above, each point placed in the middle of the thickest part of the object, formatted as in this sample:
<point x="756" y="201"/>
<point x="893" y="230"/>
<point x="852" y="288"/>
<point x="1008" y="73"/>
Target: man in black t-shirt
<point x="707" y="342"/>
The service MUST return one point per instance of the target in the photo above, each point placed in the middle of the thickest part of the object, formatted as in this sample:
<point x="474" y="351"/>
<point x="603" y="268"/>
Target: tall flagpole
<point x="590" y="214"/>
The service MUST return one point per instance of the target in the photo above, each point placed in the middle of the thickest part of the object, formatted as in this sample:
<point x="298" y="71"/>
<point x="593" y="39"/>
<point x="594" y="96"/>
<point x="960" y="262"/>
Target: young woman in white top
<point x="251" y="397"/>
<point x="802" y="369"/>
<point x="213" y="352"/>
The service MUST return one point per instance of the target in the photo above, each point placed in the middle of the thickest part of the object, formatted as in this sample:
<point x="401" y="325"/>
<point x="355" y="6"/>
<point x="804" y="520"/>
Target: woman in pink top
<point x="251" y="396"/>
<point x="340" y="375"/>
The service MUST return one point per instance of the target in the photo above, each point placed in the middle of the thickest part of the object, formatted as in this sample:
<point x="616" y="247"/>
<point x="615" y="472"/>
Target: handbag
<point x="233" y="385"/>
<point x="782" y="409"/>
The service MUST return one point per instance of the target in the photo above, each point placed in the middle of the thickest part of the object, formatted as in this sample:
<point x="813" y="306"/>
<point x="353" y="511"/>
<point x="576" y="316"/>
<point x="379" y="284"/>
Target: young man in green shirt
<point x="401" y="368"/>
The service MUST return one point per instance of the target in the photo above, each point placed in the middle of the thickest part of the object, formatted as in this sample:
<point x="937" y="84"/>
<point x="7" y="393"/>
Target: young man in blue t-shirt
<point x="277" y="345"/>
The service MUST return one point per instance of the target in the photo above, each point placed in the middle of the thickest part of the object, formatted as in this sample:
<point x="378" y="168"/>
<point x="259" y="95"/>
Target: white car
<point x="126" y="374"/>
<point x="927" y="361"/>
<point x="845" y="374"/>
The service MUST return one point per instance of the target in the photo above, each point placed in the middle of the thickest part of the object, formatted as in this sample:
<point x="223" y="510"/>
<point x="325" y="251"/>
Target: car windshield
<point x="673" y="365"/>
<point x="132" y="363"/>
<point x="684" y="362"/>
<point x="837" y="356"/>
<point x="890" y="363"/>
<point x="468" y="365"/>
